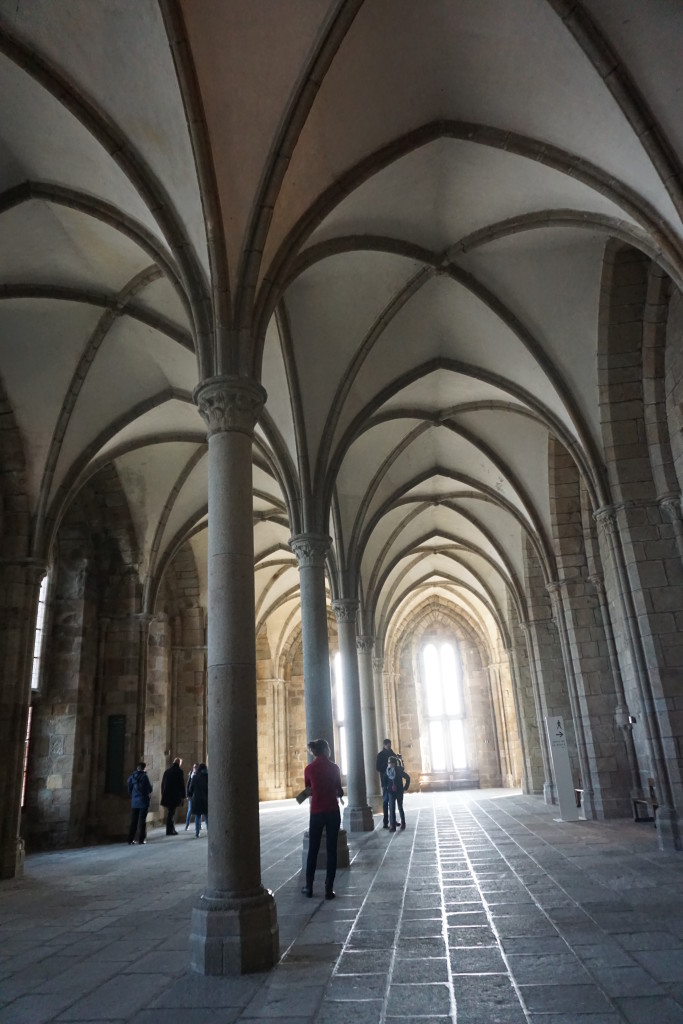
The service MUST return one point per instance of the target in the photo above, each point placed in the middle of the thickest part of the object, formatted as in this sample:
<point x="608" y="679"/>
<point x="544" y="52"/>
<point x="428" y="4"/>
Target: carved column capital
<point x="555" y="586"/>
<point x="365" y="644"/>
<point x="598" y="582"/>
<point x="378" y="664"/>
<point x="229" y="403"/>
<point x="345" y="609"/>
<point x="670" y="504"/>
<point x="606" y="518"/>
<point x="310" y="549"/>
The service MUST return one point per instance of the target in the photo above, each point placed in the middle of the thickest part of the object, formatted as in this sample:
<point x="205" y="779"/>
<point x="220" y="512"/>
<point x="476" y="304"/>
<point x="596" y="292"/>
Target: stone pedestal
<point x="229" y="937"/>
<point x="358" y="819"/>
<point x="343" y="860"/>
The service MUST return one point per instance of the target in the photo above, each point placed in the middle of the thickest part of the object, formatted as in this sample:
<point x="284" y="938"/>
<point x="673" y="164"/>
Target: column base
<point x="549" y="792"/>
<point x="235" y="935"/>
<point x="587" y="810"/>
<point x="343" y="860"/>
<point x="12" y="859"/>
<point x="375" y="801"/>
<point x="358" y="819"/>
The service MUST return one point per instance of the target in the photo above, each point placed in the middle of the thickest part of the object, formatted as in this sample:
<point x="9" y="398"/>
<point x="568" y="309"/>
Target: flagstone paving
<point x="486" y="910"/>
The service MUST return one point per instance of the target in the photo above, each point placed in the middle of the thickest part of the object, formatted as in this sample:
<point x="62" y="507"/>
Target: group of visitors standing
<point x="395" y="781"/>
<point x="322" y="779"/>
<point x="174" y="789"/>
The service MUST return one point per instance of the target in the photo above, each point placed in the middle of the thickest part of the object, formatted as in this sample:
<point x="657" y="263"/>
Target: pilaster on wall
<point x="504" y="709"/>
<point x="594" y="681"/>
<point x="159" y="747"/>
<point x="673" y="383"/>
<point x="643" y="537"/>
<point x="533" y="774"/>
<point x="649" y="684"/>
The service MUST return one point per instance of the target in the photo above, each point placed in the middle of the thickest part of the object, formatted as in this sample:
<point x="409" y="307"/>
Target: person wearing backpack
<point x="396" y="782"/>
<point x="140" y="789"/>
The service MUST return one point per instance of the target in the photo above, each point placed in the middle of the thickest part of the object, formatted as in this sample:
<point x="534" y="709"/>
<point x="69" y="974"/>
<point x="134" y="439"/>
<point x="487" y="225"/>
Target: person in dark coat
<point x="190" y="775"/>
<point x="381" y="762"/>
<point x="172" y="793"/>
<point x="198" y="792"/>
<point x="140" y="789"/>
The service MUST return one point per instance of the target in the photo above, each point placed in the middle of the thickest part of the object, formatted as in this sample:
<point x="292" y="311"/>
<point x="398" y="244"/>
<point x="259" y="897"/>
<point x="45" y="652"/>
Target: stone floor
<point x="485" y="910"/>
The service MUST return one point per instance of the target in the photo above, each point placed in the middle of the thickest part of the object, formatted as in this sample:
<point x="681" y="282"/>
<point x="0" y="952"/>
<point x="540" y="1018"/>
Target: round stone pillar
<point x="234" y="923"/>
<point x="380" y="713"/>
<point x="530" y="630"/>
<point x="364" y="648"/>
<point x="310" y="550"/>
<point x="357" y="813"/>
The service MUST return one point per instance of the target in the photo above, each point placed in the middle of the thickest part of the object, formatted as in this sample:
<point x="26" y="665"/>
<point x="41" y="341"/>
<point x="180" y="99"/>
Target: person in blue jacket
<point x="140" y="789"/>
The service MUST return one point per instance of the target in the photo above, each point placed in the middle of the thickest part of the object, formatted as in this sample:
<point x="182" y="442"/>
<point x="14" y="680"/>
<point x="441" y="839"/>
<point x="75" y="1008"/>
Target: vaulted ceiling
<point x="393" y="214"/>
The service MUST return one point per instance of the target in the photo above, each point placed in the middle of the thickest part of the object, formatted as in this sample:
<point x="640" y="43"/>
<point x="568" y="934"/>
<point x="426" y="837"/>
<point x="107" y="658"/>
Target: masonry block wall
<point x="62" y="722"/>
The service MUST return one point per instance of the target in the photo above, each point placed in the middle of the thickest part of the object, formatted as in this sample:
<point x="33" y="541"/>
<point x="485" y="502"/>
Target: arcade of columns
<point x="533" y="674"/>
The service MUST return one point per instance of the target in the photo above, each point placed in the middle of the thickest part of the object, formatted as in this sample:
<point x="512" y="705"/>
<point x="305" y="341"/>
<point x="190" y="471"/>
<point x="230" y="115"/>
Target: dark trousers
<point x="138" y="826"/>
<point x="395" y="798"/>
<point x="170" y="821"/>
<point x="385" y="806"/>
<point x="330" y="822"/>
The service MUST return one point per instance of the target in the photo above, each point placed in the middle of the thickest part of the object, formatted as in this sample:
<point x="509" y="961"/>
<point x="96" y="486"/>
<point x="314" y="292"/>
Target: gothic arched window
<point x="444" y="706"/>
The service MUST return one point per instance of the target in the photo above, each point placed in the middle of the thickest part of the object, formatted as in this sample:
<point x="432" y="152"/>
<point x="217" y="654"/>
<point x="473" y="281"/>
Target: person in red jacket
<point x="323" y="778"/>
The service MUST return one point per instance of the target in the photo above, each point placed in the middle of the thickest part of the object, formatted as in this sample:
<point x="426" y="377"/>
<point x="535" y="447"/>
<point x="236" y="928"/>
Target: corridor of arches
<point x="341" y="391"/>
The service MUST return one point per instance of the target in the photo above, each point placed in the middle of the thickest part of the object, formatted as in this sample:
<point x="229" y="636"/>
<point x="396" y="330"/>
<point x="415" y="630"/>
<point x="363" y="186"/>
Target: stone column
<point x="526" y="779"/>
<point x="144" y="621"/>
<point x="530" y="632"/>
<point x="310" y="550"/>
<point x="622" y="714"/>
<point x="357" y="813"/>
<point x="18" y="605"/>
<point x="380" y="712"/>
<point x="234" y="923"/>
<point x="364" y="648"/>
<point x="558" y="590"/>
